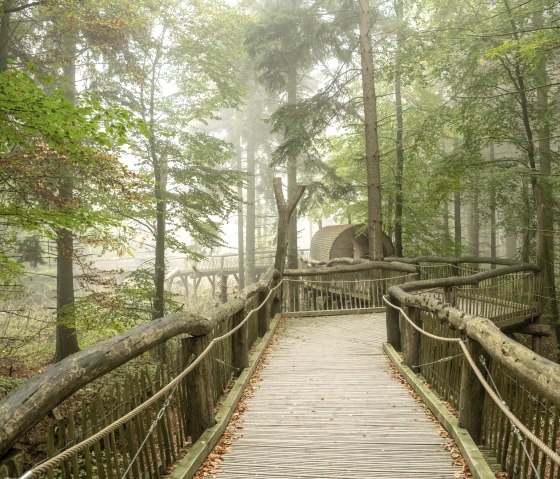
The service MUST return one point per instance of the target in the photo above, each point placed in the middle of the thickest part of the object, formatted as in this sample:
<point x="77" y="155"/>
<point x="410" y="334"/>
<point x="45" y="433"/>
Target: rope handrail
<point x="514" y="420"/>
<point x="81" y="446"/>
<point x="541" y="374"/>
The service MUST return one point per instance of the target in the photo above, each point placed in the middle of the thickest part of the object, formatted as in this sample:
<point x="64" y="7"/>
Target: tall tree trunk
<point x="160" y="190"/>
<point x="528" y="219"/>
<point x="544" y="196"/>
<point x="474" y="229"/>
<point x="375" y="222"/>
<point x="159" y="166"/>
<point x="511" y="246"/>
<point x="66" y="334"/>
<point x="250" y="233"/>
<point x="446" y="233"/>
<point x="399" y="167"/>
<point x="285" y="210"/>
<point x="458" y="228"/>
<point x="240" y="223"/>
<point x="542" y="191"/>
<point x="4" y="35"/>
<point x="292" y="177"/>
<point x="493" y="226"/>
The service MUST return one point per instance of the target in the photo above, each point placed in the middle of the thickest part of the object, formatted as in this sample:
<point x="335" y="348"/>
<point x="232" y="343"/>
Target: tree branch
<point x="24" y="7"/>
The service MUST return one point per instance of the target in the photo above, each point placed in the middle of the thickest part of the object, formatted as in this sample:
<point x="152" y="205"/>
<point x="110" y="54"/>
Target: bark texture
<point x="375" y="222"/>
<point x="285" y="210"/>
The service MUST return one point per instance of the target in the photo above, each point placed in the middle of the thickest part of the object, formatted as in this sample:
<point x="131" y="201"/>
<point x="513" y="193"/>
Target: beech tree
<point x="182" y="77"/>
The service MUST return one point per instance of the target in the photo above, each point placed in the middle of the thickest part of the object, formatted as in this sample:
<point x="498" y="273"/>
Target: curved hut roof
<point x="336" y="241"/>
<point x="343" y="241"/>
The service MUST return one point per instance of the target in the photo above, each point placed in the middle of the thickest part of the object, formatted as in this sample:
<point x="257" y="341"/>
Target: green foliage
<point x="7" y="383"/>
<point x="112" y="307"/>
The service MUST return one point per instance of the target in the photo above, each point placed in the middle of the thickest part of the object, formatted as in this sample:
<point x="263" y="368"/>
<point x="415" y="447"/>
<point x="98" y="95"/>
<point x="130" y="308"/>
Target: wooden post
<point x="471" y="401"/>
<point x="12" y="464"/>
<point x="537" y="344"/>
<point x="412" y="340"/>
<point x="240" y="343"/>
<point x="393" y="329"/>
<point x="212" y="280"/>
<point x="449" y="295"/>
<point x="223" y="288"/>
<point x="276" y="305"/>
<point x="185" y="281"/>
<point x="264" y="315"/>
<point x="199" y="388"/>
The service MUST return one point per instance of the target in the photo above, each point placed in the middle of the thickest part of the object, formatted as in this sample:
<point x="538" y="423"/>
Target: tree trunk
<point x="159" y="165"/>
<point x="160" y="190"/>
<point x="4" y="36"/>
<point x="66" y="334"/>
<point x="292" y="177"/>
<point x="446" y="233"/>
<point x="528" y="218"/>
<point x="458" y="232"/>
<point x="240" y="223"/>
<point x="285" y="209"/>
<point x="250" y="233"/>
<point x="371" y="136"/>
<point x="474" y="229"/>
<point x="543" y="191"/>
<point x="399" y="168"/>
<point x="493" y="224"/>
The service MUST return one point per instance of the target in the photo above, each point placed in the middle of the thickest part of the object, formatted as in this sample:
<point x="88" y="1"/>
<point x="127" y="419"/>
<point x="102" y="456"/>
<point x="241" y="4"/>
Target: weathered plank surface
<point x="328" y="407"/>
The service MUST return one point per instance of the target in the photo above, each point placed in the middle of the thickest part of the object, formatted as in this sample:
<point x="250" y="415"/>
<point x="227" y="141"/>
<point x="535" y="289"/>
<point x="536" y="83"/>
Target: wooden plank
<point x="328" y="407"/>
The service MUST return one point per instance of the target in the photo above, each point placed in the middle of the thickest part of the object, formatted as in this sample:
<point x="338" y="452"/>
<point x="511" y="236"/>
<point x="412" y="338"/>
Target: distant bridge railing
<point x="345" y="285"/>
<point x="453" y="349"/>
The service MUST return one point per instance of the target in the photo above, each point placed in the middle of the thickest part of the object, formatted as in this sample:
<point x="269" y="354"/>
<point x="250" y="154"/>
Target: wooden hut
<point x="343" y="241"/>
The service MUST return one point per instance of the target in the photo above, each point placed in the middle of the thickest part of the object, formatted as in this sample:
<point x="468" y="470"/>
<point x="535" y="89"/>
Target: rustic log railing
<point x="526" y="383"/>
<point x="217" y="342"/>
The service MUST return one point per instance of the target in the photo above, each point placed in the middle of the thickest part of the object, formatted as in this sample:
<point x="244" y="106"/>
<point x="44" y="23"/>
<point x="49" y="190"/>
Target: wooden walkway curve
<point x="328" y="407"/>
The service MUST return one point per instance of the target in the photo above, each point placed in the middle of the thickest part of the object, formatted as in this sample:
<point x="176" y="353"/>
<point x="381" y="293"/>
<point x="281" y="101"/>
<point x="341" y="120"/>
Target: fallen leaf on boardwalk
<point x="449" y="444"/>
<point x="211" y="466"/>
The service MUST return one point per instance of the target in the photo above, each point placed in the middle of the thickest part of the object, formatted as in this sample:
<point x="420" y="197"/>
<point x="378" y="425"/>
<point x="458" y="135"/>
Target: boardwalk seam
<point x="186" y="468"/>
<point x="473" y="457"/>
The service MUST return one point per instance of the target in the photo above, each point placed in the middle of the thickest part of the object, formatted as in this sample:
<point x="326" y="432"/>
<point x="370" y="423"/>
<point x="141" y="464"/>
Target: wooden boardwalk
<point x="327" y="407"/>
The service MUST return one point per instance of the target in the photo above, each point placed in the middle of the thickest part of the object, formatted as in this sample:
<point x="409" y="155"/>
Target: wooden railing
<point x="153" y="364"/>
<point x="341" y="287"/>
<point x="152" y="375"/>
<point x="528" y="384"/>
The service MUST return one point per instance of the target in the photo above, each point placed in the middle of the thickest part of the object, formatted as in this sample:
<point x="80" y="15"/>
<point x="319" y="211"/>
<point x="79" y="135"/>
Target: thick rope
<point x="87" y="443"/>
<point x="415" y="326"/>
<point x="537" y="441"/>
